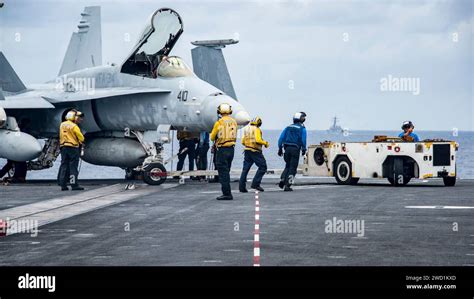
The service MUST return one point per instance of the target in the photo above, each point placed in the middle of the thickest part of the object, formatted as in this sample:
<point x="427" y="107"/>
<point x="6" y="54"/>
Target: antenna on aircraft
<point x="216" y="43"/>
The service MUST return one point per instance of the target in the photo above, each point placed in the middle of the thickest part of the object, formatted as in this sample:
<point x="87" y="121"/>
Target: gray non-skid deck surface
<point x="38" y="190"/>
<point x="185" y="225"/>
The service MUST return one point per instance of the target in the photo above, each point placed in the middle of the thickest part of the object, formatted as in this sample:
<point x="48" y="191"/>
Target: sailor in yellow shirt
<point x="70" y="140"/>
<point x="224" y="135"/>
<point x="253" y="142"/>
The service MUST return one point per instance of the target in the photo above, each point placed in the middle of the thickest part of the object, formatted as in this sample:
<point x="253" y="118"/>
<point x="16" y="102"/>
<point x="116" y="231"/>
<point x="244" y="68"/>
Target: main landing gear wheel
<point x="154" y="174"/>
<point x="343" y="172"/>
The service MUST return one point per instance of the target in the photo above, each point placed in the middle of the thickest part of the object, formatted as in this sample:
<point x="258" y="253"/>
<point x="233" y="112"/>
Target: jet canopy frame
<point x="158" y="38"/>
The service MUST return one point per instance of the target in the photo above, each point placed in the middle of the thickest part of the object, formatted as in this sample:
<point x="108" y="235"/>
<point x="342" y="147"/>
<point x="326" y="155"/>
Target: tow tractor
<point x="384" y="157"/>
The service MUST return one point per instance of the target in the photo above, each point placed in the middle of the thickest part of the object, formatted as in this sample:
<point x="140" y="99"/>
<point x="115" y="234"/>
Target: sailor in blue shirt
<point x="407" y="133"/>
<point x="293" y="140"/>
<point x="202" y="149"/>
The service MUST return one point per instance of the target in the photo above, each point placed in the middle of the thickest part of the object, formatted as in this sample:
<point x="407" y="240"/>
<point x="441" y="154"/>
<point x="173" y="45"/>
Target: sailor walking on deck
<point x="253" y="142"/>
<point x="292" y="140"/>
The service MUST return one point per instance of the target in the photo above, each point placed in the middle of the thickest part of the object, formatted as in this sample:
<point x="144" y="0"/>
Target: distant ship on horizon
<point x="335" y="128"/>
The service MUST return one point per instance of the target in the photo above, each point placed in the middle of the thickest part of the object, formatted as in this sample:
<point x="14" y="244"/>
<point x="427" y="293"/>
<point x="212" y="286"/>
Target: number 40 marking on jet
<point x="183" y="95"/>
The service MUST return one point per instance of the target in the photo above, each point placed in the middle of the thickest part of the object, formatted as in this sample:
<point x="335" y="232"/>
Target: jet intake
<point x="242" y="117"/>
<point x="119" y="152"/>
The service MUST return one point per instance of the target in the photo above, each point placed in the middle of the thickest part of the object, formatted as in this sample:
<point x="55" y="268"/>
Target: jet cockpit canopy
<point x="172" y="67"/>
<point x="159" y="36"/>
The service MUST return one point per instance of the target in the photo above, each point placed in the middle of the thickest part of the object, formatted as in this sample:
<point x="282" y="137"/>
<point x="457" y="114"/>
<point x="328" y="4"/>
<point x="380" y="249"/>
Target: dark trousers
<point x="292" y="158"/>
<point x="6" y="168"/>
<point x="201" y="160"/>
<point x="224" y="157"/>
<point x="259" y="160"/>
<point x="19" y="171"/>
<point x="69" y="164"/>
<point x="191" y="153"/>
<point x="214" y="155"/>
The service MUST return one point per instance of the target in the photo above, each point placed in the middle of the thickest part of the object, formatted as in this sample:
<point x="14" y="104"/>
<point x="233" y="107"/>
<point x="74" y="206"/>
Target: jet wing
<point x="48" y="99"/>
<point x="25" y="102"/>
<point x="77" y="96"/>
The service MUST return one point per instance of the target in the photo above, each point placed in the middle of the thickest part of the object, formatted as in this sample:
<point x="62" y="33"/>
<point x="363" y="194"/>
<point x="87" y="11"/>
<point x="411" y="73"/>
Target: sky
<point x="325" y="58"/>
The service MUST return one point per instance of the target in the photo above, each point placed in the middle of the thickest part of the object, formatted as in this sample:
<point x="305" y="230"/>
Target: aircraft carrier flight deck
<point x="423" y="223"/>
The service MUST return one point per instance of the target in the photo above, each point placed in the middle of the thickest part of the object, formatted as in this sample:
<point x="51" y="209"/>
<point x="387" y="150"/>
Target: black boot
<point x="258" y="188"/>
<point x="77" y="188"/>
<point x="281" y="184"/>
<point x="288" y="188"/>
<point x="225" y="197"/>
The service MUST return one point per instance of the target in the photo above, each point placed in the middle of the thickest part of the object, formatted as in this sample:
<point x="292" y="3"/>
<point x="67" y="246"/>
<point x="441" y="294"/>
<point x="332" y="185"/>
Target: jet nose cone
<point x="242" y="118"/>
<point x="211" y="104"/>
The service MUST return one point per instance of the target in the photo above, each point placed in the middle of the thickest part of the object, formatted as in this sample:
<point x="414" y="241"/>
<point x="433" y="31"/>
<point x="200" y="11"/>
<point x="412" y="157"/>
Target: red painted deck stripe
<point x="256" y="243"/>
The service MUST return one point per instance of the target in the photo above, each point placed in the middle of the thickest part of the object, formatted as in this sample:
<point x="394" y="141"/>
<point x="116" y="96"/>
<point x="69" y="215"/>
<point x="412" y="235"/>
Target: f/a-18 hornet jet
<point x="129" y="108"/>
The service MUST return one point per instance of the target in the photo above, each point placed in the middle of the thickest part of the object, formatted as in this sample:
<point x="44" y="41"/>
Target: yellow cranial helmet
<point x="224" y="108"/>
<point x="74" y="114"/>
<point x="256" y="121"/>
<point x="71" y="115"/>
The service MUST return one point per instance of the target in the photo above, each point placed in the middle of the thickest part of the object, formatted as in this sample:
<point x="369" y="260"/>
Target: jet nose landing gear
<point x="153" y="169"/>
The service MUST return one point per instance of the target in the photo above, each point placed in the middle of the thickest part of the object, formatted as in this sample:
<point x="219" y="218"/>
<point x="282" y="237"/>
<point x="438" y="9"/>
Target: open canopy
<point x="160" y="34"/>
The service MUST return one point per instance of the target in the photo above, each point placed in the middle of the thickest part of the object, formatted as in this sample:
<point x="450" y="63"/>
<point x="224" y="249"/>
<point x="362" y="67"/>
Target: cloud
<point x="334" y="52"/>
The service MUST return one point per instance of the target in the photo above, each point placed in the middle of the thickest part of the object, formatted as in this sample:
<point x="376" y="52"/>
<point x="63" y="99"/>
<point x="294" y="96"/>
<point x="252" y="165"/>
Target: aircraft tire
<point x="154" y="174"/>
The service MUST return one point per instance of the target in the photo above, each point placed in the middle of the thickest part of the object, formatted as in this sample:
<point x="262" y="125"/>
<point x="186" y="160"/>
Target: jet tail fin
<point x="9" y="80"/>
<point x="209" y="64"/>
<point x="85" y="46"/>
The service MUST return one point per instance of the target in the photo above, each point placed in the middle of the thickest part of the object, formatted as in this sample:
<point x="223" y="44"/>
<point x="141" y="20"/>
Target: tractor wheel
<point x="449" y="181"/>
<point x="398" y="178"/>
<point x="343" y="172"/>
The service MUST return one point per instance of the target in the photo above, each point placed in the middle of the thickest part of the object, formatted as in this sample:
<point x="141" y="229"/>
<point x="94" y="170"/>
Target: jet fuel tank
<point x="15" y="145"/>
<point x="18" y="146"/>
<point x="120" y="152"/>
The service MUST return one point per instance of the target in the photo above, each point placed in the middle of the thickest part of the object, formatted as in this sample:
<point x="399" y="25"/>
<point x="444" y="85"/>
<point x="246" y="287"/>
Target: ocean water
<point x="465" y="155"/>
